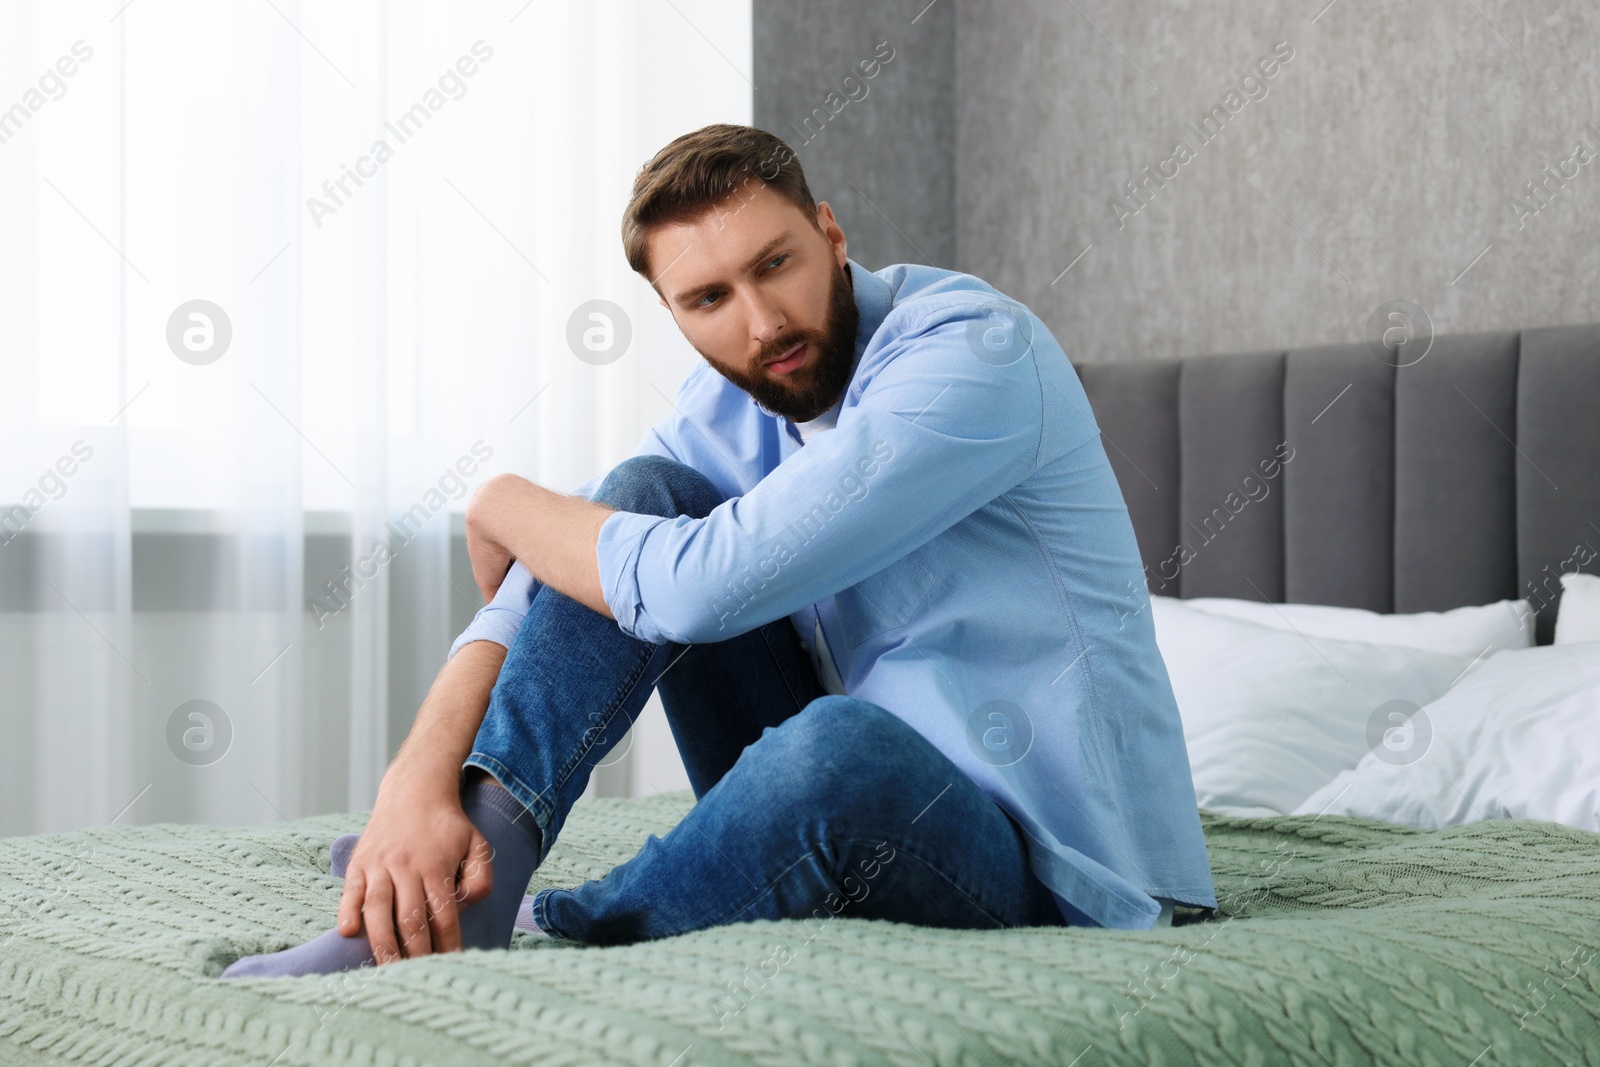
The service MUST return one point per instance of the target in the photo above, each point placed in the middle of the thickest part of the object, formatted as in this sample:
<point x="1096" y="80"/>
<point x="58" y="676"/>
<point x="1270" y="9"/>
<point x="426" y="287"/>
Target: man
<point x="880" y="570"/>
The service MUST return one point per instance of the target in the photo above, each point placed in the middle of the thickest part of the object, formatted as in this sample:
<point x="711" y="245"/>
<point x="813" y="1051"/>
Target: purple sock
<point x="323" y="954"/>
<point x="339" y="853"/>
<point x="515" y="840"/>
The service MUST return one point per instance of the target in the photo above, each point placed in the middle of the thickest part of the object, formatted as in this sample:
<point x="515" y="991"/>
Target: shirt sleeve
<point x="499" y="620"/>
<point x="939" y="430"/>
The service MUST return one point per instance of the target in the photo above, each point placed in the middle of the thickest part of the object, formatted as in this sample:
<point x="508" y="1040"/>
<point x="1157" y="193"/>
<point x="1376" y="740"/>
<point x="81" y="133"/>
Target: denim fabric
<point x="807" y="805"/>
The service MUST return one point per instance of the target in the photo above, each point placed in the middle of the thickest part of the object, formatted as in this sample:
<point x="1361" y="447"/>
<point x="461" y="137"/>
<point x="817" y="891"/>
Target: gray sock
<point x="514" y="836"/>
<point x="514" y="840"/>
<point x="344" y="846"/>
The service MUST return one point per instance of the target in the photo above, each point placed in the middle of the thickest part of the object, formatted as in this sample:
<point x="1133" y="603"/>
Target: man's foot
<point x="344" y="847"/>
<point x="339" y="853"/>
<point x="514" y="839"/>
<point x="324" y="954"/>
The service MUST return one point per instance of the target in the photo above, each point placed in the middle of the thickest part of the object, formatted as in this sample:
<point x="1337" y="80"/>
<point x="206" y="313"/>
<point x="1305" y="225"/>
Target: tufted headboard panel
<point x="1329" y="476"/>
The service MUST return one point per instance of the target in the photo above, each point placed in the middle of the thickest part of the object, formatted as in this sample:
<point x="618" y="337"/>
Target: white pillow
<point x="1578" y="616"/>
<point x="1515" y="739"/>
<point x="1270" y="715"/>
<point x="1471" y="631"/>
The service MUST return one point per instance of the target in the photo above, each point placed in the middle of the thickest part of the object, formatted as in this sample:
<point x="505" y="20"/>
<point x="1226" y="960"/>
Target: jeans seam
<point x="610" y="714"/>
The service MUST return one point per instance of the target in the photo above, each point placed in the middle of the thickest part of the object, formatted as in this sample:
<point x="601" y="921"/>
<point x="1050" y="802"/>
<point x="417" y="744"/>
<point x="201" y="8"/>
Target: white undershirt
<point x="825" y="421"/>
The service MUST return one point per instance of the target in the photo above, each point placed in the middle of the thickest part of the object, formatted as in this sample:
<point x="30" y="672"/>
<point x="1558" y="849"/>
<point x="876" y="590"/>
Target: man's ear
<point x="826" y="223"/>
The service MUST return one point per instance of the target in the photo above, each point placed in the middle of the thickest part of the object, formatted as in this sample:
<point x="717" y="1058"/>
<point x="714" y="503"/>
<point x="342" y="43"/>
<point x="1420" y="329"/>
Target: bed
<point x="1339" y="941"/>
<point x="1458" y="480"/>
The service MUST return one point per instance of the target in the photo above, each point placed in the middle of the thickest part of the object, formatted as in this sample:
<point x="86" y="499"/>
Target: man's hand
<point x="490" y="559"/>
<point x="420" y="859"/>
<point x="418" y="862"/>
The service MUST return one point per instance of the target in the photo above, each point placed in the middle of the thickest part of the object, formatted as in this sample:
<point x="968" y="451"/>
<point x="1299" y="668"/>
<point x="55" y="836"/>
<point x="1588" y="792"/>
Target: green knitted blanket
<point x="1341" y="941"/>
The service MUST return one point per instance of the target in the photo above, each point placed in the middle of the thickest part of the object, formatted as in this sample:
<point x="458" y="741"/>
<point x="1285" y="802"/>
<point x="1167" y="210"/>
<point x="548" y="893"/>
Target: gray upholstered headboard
<point x="1328" y="476"/>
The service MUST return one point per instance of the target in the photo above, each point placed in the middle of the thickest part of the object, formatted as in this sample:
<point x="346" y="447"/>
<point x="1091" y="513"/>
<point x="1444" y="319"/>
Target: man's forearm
<point x="552" y="534"/>
<point x="447" y="723"/>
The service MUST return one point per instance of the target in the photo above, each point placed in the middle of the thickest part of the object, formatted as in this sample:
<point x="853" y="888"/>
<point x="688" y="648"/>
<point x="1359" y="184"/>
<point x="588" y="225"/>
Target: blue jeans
<point x="807" y="805"/>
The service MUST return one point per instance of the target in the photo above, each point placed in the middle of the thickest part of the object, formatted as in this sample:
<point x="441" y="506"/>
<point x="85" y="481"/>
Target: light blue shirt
<point x="960" y="541"/>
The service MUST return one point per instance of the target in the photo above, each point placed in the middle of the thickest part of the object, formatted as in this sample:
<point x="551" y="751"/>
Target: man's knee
<point x="656" y="485"/>
<point x="835" y="718"/>
<point x="838" y="750"/>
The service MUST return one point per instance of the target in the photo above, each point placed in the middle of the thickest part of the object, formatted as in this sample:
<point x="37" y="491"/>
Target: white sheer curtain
<point x="280" y="283"/>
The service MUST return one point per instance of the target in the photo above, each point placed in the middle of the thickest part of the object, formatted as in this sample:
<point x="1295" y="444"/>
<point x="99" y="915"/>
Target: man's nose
<point x="767" y="321"/>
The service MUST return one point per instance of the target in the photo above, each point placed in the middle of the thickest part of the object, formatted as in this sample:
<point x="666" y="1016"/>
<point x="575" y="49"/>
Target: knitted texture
<point x="1340" y="941"/>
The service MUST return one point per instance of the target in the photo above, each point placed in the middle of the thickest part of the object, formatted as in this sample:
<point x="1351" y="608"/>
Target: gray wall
<point x="885" y="162"/>
<point x="1380" y="163"/>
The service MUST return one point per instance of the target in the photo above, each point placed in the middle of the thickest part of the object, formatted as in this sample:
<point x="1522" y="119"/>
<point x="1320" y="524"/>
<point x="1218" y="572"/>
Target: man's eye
<point x="773" y="263"/>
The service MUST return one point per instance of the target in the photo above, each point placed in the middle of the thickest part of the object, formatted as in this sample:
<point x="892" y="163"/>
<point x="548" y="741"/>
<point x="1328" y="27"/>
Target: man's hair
<point x="699" y="170"/>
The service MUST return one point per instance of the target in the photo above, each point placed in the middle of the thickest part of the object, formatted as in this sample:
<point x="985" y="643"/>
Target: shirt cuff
<point x="499" y="625"/>
<point x="617" y="551"/>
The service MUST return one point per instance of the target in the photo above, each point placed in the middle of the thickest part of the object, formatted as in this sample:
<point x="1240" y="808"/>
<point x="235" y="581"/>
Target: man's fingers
<point x="477" y="871"/>
<point x="490" y="562"/>
<point x="443" y="917"/>
<point x="378" y="915"/>
<point x="481" y="577"/>
<point x="492" y="577"/>
<point x="355" y="894"/>
<point x="475" y="556"/>
<point x="411" y="914"/>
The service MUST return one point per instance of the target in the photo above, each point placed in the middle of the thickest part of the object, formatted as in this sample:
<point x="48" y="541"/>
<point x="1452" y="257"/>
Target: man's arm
<point x="401" y="882"/>
<point x="673" y="437"/>
<point x="549" y="533"/>
<point x="938" y="431"/>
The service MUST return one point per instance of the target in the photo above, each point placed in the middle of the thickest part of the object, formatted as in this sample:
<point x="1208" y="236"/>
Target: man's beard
<point x="806" y="393"/>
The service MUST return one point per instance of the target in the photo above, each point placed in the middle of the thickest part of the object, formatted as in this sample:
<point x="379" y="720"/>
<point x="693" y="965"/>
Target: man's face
<point x="764" y="297"/>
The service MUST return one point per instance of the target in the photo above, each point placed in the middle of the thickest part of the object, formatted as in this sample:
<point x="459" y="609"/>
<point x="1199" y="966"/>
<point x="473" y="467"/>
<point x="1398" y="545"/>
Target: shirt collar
<point x="874" y="297"/>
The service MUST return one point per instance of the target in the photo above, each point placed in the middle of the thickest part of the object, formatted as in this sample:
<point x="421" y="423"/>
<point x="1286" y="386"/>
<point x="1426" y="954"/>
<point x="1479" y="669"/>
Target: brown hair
<point x="699" y="170"/>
